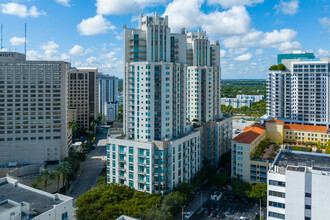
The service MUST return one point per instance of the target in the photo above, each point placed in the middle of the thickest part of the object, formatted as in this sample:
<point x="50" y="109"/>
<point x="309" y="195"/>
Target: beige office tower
<point x="83" y="94"/>
<point x="33" y="110"/>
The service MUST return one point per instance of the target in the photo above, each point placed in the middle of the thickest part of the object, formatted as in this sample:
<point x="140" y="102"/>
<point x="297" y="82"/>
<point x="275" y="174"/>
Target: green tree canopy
<point x="257" y="191"/>
<point x="184" y="188"/>
<point x="111" y="201"/>
<point x="173" y="202"/>
<point x="239" y="187"/>
<point x="281" y="67"/>
<point x="273" y="67"/>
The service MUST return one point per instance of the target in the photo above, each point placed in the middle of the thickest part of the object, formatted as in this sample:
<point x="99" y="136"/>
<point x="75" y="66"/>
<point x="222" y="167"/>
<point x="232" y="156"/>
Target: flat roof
<point x="39" y="203"/>
<point x="5" y="205"/>
<point x="296" y="158"/>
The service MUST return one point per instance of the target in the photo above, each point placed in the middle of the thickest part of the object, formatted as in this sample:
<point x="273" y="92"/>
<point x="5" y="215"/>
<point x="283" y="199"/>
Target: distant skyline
<point x="89" y="33"/>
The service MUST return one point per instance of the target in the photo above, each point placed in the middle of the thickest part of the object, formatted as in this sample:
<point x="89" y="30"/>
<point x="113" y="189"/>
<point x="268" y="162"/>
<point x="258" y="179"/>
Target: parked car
<point x="188" y="214"/>
<point x="225" y="198"/>
<point x="219" y="215"/>
<point x="217" y="208"/>
<point x="242" y="218"/>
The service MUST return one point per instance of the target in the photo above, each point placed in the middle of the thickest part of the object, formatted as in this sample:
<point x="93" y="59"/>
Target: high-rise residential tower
<point x="108" y="97"/>
<point x="301" y="92"/>
<point x="160" y="149"/>
<point x="33" y="110"/>
<point x="83" y="94"/>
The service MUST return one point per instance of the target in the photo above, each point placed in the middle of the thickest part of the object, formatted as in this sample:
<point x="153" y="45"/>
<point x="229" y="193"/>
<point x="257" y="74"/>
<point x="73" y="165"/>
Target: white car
<point x="188" y="215"/>
<point x="242" y="218"/>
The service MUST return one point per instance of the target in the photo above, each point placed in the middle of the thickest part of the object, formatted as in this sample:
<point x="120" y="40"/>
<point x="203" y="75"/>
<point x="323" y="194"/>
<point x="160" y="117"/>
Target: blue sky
<point x="89" y="32"/>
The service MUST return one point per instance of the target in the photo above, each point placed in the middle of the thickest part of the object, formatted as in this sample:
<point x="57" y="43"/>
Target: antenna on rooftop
<point x="25" y="41"/>
<point x="1" y="37"/>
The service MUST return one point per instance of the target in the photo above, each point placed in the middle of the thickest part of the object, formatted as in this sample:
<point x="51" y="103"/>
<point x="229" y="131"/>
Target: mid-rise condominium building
<point x="33" y="110"/>
<point x="18" y="201"/>
<point x="298" y="186"/>
<point x="108" y="97"/>
<point x="241" y="100"/>
<point x="300" y="94"/>
<point x="83" y="94"/>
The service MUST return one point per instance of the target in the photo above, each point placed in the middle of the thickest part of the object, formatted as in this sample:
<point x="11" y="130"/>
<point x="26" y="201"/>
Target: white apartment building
<point x="204" y="78"/>
<point x="298" y="186"/>
<point x="18" y="201"/>
<point x="241" y="100"/>
<point x="108" y="97"/>
<point x="83" y="94"/>
<point x="155" y="166"/>
<point x="155" y="112"/>
<point x="33" y="110"/>
<point x="301" y="93"/>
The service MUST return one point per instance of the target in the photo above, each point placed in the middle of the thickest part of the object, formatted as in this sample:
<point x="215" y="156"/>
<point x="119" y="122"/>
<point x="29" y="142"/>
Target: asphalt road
<point x="237" y="209"/>
<point x="90" y="168"/>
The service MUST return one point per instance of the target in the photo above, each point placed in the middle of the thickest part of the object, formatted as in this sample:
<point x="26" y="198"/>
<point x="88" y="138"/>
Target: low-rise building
<point x="252" y="168"/>
<point x="18" y="201"/>
<point x="241" y="100"/>
<point x="242" y="146"/>
<point x="298" y="186"/>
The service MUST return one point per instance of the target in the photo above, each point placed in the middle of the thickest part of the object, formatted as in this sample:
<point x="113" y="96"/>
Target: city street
<point x="90" y="168"/>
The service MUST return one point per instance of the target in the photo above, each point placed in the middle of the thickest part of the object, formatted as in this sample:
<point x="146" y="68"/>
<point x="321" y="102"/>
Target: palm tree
<point x="74" y="126"/>
<point x="66" y="169"/>
<point x="45" y="177"/>
<point x="58" y="174"/>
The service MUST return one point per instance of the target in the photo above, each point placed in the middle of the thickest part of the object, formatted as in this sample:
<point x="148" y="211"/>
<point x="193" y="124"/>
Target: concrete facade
<point x="108" y="97"/>
<point x="83" y="94"/>
<point x="298" y="186"/>
<point x="33" y="110"/>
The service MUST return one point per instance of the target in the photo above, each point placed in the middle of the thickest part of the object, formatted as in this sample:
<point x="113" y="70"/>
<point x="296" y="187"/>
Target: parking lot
<point x="228" y="210"/>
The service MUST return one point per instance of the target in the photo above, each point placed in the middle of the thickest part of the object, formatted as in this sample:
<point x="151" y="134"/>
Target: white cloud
<point x="259" y="51"/>
<point x="188" y="14"/>
<point x="109" y="7"/>
<point x="325" y="22"/>
<point x="281" y="39"/>
<point x="289" y="7"/>
<point x="223" y="53"/>
<point x="184" y="14"/>
<point x="20" y="10"/>
<point x="94" y="25"/>
<point x="231" y="3"/>
<point x="289" y="46"/>
<point x="107" y="63"/>
<point x="323" y="53"/>
<point x="3" y="50"/>
<point x="238" y="51"/>
<point x="232" y="22"/>
<point x="16" y="41"/>
<point x="244" y="57"/>
<point x="49" y="52"/>
<point x="65" y="3"/>
<point x="78" y="50"/>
